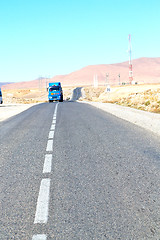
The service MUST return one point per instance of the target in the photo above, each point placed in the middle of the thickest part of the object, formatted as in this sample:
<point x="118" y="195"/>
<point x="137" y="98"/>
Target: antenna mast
<point x="130" y="60"/>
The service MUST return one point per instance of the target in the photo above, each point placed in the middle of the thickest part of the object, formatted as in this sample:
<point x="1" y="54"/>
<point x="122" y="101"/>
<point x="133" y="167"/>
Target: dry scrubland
<point x="26" y="96"/>
<point x="144" y="97"/>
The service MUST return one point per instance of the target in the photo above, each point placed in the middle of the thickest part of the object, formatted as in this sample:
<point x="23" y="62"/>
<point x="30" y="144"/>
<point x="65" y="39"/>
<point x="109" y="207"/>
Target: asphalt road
<point x="76" y="94"/>
<point x="71" y="171"/>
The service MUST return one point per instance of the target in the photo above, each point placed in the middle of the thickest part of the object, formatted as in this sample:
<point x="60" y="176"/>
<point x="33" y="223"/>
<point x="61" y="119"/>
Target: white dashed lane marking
<point x="42" y="209"/>
<point x="41" y="215"/>
<point x="53" y="127"/>
<point x="47" y="163"/>
<point x="49" y="146"/>
<point x="39" y="237"/>
<point x="51" y="134"/>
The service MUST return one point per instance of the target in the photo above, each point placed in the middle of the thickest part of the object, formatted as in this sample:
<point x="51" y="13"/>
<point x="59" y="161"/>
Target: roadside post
<point x="108" y="90"/>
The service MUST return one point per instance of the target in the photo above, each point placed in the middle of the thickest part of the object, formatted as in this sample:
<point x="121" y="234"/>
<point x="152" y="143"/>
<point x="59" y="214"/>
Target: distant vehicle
<point x="55" y="92"/>
<point x="1" y="100"/>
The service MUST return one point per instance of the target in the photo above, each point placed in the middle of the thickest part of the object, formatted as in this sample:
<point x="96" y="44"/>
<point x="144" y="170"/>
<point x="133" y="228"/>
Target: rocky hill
<point x="145" y="70"/>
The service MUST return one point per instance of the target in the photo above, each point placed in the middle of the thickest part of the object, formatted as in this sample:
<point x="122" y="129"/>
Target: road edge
<point x="147" y="120"/>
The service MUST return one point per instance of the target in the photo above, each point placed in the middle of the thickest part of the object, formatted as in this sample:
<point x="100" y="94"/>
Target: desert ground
<point x="144" y="97"/>
<point x="30" y="96"/>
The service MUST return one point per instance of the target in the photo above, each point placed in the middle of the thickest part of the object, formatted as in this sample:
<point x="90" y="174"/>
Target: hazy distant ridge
<point x="5" y="83"/>
<point x="145" y="70"/>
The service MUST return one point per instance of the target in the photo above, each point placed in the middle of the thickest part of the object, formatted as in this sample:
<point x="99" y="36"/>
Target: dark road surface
<point x="101" y="178"/>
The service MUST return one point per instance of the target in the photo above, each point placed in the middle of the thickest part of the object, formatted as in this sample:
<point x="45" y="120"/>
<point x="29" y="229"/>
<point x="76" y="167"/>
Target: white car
<point x="1" y="100"/>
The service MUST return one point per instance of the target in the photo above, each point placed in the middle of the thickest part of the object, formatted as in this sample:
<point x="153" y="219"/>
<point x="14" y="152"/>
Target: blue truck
<point x="1" y="101"/>
<point x="55" y="92"/>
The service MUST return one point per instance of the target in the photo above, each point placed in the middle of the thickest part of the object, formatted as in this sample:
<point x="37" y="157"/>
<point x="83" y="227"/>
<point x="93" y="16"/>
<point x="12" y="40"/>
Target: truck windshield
<point x="57" y="88"/>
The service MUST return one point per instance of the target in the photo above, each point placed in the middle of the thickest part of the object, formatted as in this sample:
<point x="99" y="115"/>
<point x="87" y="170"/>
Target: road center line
<point x="42" y="209"/>
<point x="56" y="108"/>
<point x="47" y="163"/>
<point x="39" y="237"/>
<point x="49" y="146"/>
<point x="41" y="215"/>
<point x="53" y="127"/>
<point x="51" y="134"/>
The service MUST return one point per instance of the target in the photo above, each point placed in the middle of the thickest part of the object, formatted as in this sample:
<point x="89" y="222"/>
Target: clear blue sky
<point x="51" y="37"/>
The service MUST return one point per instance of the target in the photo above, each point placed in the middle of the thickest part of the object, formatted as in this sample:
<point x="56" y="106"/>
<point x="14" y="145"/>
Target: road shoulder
<point x="147" y="120"/>
<point x="10" y="110"/>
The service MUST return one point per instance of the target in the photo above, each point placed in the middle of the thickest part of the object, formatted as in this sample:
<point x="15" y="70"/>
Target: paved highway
<point x="71" y="171"/>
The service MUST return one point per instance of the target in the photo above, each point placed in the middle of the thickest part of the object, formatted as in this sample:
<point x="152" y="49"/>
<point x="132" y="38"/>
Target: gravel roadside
<point x="9" y="110"/>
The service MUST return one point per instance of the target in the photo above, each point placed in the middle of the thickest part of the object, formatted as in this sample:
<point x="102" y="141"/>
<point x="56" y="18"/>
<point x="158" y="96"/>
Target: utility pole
<point x="39" y="83"/>
<point x="46" y="82"/>
<point x="95" y="80"/>
<point x="119" y="78"/>
<point x="107" y="79"/>
<point x="108" y="89"/>
<point x="130" y="60"/>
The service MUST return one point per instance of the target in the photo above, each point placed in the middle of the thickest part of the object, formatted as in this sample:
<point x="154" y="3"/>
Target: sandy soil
<point x="9" y="110"/>
<point x="27" y="96"/>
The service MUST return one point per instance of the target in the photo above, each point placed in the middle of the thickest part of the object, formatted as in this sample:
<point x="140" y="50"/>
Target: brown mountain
<point x="145" y="70"/>
<point x="4" y="83"/>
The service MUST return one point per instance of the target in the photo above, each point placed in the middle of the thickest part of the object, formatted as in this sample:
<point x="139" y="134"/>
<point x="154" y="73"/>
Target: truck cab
<point x="55" y="92"/>
<point x="1" y="100"/>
